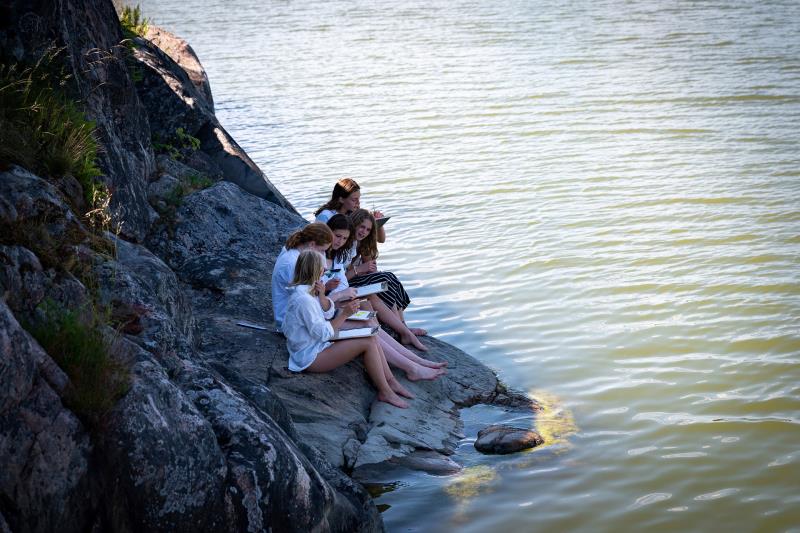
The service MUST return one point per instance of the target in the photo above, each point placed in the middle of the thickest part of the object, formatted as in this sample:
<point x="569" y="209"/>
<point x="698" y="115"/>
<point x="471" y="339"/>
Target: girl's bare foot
<point x="433" y="364"/>
<point x="425" y="373"/>
<point x="399" y="389"/>
<point x="413" y="341"/>
<point x="419" y="332"/>
<point x="392" y="398"/>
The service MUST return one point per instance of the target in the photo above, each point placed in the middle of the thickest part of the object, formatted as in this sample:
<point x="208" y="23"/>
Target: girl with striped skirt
<point x="363" y="269"/>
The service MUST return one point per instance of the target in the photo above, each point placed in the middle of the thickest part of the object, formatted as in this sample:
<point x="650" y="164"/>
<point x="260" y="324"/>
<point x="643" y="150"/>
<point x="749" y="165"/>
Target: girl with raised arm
<point x="345" y="199"/>
<point x="308" y="332"/>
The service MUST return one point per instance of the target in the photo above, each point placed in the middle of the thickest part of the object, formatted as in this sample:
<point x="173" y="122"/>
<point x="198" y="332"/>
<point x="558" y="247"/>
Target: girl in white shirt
<point x="308" y="332"/>
<point x="316" y="237"/>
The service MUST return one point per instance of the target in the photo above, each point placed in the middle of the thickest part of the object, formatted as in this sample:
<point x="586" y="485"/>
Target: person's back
<point x="281" y="279"/>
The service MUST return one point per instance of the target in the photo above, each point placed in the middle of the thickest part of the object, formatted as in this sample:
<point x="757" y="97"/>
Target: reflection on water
<point x="554" y="423"/>
<point x="599" y="199"/>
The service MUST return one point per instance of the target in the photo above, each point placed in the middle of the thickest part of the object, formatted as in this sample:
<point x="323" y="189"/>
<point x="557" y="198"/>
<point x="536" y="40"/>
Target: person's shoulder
<point x="324" y="215"/>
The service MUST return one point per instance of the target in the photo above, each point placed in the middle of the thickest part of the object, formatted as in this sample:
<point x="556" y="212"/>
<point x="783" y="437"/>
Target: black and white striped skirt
<point x="394" y="296"/>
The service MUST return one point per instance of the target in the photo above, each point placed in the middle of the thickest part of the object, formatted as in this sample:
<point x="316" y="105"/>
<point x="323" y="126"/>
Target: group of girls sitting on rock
<point x="313" y="296"/>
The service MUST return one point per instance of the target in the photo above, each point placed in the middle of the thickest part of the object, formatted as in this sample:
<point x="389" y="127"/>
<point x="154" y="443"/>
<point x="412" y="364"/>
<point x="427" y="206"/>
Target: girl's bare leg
<point x="342" y="352"/>
<point x="414" y="371"/>
<point x="390" y="379"/>
<point x="388" y="317"/>
<point x="419" y="332"/>
<point x="408" y="354"/>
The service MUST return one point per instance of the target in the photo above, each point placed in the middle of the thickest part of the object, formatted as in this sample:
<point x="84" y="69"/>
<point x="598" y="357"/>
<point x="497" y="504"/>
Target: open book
<point x="381" y="221"/>
<point x="374" y="288"/>
<point x="362" y="315"/>
<point x="355" y="333"/>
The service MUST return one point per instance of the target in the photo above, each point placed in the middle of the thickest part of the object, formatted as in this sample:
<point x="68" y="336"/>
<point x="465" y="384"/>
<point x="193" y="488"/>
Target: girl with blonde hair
<point x="309" y="332"/>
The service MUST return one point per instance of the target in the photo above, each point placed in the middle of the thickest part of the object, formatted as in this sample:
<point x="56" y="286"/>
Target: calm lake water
<point x="598" y="199"/>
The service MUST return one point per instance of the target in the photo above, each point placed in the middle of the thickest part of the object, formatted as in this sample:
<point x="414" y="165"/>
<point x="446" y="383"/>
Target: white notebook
<point x="374" y="288"/>
<point x="355" y="333"/>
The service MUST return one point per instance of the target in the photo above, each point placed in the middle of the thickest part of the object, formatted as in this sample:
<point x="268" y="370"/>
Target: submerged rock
<point x="500" y="439"/>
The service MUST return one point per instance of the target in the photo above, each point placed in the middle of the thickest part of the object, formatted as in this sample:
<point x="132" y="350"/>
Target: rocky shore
<point x="212" y="432"/>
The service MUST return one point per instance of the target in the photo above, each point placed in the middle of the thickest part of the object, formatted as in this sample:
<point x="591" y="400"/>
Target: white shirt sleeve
<point x="331" y="310"/>
<point x="318" y="328"/>
<point x="324" y="216"/>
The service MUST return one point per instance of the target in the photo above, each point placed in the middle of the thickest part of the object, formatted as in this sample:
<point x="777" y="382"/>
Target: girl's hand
<point x="318" y="289"/>
<point x="377" y="214"/>
<point x="346" y="294"/>
<point x="332" y="284"/>
<point x="371" y="266"/>
<point x="350" y="307"/>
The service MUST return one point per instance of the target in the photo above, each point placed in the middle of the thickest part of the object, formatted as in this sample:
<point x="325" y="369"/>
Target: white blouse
<point x="282" y="275"/>
<point x="306" y="328"/>
<point x="340" y="275"/>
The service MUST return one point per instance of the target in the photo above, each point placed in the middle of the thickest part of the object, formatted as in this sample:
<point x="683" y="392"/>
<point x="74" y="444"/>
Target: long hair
<point x="308" y="267"/>
<point x="316" y="232"/>
<point x="368" y="246"/>
<point x="343" y="188"/>
<point x="341" y="222"/>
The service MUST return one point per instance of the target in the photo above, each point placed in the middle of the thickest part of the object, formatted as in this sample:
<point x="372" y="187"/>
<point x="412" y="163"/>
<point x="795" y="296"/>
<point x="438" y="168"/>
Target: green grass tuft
<point x="132" y="21"/>
<point x="75" y="340"/>
<point x="43" y="130"/>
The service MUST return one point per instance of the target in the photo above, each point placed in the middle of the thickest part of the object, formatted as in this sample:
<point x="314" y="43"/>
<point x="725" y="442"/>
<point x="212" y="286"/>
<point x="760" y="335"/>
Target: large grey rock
<point x="184" y="55"/>
<point x="44" y="239"/>
<point x="223" y="247"/>
<point x="164" y="470"/>
<point x="236" y="165"/>
<point x="90" y="35"/>
<point x="265" y="481"/>
<point x="44" y="449"/>
<point x="173" y="101"/>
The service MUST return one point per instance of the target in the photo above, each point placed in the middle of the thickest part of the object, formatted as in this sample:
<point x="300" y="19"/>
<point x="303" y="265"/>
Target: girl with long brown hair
<point x="396" y="354"/>
<point x="363" y="270"/>
<point x="345" y="199"/>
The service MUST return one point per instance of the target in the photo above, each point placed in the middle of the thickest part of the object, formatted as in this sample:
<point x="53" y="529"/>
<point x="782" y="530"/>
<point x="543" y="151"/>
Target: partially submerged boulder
<point x="501" y="439"/>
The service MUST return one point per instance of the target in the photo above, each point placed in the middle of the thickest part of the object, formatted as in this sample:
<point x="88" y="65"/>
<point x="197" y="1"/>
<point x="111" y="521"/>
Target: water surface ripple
<point x="598" y="199"/>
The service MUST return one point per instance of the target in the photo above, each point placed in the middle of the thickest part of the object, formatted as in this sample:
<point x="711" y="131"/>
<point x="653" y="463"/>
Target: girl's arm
<point x="381" y="231"/>
<point x="346" y="312"/>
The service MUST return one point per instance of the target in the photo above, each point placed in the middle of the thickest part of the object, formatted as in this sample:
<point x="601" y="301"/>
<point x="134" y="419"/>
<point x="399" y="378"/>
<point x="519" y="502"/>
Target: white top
<point x="340" y="275"/>
<point x="325" y="215"/>
<point x="282" y="275"/>
<point x="306" y="328"/>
